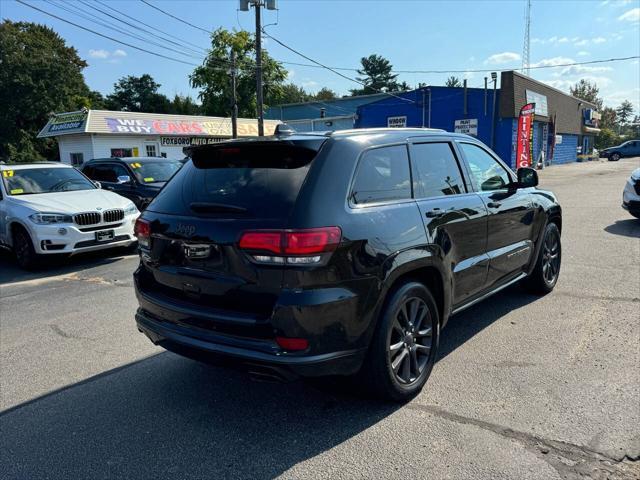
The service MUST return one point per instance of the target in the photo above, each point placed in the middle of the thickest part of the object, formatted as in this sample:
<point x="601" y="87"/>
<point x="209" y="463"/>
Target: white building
<point x="88" y="134"/>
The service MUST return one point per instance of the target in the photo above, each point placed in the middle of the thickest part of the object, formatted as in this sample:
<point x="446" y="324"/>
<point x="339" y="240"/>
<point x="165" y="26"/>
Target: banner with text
<point x="525" y="136"/>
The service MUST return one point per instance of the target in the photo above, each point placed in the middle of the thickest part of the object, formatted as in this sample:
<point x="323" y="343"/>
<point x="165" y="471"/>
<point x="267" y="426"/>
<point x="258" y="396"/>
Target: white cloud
<point x="583" y="53"/>
<point x="632" y="15"/>
<point x="111" y="57"/>
<point x="98" y="53"/>
<point x="598" y="40"/>
<point x="581" y="43"/>
<point x="310" y="84"/>
<point x="504" y="57"/>
<point x="552" y="61"/>
<point x="563" y="40"/>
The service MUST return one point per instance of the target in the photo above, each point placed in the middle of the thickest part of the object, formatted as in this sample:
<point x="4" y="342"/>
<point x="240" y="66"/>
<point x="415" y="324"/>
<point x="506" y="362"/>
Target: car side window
<point x="382" y="176"/>
<point x="487" y="172"/>
<point x="108" y="172"/>
<point x="437" y="172"/>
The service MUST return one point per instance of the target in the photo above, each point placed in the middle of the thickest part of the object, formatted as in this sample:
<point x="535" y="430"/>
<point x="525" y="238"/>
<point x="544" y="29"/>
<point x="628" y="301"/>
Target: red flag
<point x="524" y="151"/>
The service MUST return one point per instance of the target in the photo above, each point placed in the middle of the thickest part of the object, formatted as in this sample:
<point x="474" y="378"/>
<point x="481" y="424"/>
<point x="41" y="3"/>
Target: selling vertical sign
<point x="525" y="136"/>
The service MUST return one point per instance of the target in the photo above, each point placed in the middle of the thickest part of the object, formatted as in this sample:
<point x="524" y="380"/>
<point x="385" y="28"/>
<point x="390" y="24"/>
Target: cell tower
<point x="525" y="49"/>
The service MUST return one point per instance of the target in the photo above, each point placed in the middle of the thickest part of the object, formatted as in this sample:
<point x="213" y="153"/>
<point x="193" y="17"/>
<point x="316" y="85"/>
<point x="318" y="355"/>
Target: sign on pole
<point x="524" y="151"/>
<point x="397" y="122"/>
<point x="468" y="126"/>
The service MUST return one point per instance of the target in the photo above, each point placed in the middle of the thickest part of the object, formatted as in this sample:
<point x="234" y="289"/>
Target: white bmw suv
<point x="50" y="208"/>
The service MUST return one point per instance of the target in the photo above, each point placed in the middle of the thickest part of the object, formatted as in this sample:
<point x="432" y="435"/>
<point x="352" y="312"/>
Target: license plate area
<point x="104" y="235"/>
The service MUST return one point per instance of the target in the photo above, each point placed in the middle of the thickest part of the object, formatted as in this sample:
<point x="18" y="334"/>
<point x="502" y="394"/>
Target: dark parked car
<point x="340" y="254"/>
<point x="630" y="148"/>
<point x="137" y="178"/>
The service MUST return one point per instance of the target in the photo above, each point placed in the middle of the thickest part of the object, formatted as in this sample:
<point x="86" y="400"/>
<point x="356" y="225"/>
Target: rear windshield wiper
<point x="209" y="207"/>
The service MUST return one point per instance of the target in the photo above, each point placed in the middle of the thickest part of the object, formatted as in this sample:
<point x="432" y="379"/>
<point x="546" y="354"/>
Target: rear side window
<point x="436" y="170"/>
<point x="382" y="176"/>
<point x="260" y="180"/>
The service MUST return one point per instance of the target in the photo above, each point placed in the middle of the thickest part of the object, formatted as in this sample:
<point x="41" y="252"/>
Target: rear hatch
<point x="196" y="221"/>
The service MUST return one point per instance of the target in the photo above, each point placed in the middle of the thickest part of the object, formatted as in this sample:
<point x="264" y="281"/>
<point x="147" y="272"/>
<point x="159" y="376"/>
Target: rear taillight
<point x="293" y="247"/>
<point x="287" y="343"/>
<point x="142" y="230"/>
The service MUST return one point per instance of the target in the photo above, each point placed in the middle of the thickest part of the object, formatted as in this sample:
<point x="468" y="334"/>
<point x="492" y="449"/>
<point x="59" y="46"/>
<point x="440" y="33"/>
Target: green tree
<point x="288" y="93"/>
<point x="184" y="105"/>
<point x="606" y="138"/>
<point x="624" y="111"/>
<point x="39" y="74"/>
<point x="608" y="118"/>
<point x="325" y="94"/>
<point x="453" y="81"/>
<point x="213" y="80"/>
<point x="138" y="94"/>
<point x="585" y="90"/>
<point x="376" y="75"/>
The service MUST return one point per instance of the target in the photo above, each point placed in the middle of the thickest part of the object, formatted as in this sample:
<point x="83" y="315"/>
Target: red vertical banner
<point x="524" y="151"/>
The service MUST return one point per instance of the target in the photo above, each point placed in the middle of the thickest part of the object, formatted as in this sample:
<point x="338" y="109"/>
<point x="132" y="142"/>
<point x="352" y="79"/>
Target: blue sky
<point x="413" y="35"/>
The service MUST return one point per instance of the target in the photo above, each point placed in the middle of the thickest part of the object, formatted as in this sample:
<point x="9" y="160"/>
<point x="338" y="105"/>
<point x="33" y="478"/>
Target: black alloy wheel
<point x="551" y="258"/>
<point x="545" y="274"/>
<point x="404" y="346"/>
<point x="410" y="340"/>
<point x="23" y="249"/>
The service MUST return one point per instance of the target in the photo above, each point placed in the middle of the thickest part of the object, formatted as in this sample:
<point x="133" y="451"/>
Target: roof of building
<point x="136" y="123"/>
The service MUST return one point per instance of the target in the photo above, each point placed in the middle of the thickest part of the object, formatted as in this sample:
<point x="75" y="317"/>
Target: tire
<point x="545" y="274"/>
<point x="410" y="347"/>
<point x="614" y="157"/>
<point x="26" y="255"/>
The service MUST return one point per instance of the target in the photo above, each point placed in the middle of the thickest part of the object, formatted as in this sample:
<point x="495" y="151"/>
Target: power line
<point x="107" y="36"/>
<point x="331" y="69"/>
<point x="187" y="50"/>
<point x="104" y="4"/>
<point x="88" y="16"/>
<point x="176" y="18"/>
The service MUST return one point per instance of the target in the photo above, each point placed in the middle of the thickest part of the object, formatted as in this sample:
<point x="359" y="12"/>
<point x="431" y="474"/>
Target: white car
<point x="50" y="208"/>
<point x="631" y="194"/>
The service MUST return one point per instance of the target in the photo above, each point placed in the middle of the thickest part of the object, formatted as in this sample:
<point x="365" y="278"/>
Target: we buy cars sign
<point x="524" y="151"/>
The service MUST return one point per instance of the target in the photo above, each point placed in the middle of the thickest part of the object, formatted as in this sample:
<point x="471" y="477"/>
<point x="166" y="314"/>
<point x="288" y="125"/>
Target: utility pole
<point x="257" y="4"/>
<point x="234" y="98"/>
<point x="494" y="78"/>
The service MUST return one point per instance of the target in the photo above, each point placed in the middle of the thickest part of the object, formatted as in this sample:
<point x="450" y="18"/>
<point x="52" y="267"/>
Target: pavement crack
<point x="571" y="461"/>
<point x="57" y="330"/>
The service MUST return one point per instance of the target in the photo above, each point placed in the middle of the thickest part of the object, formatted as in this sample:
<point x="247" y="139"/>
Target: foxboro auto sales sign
<point x="468" y="126"/>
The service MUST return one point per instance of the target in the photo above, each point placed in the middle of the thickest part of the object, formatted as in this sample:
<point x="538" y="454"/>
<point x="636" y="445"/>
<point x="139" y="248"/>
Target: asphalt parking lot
<point x="525" y="387"/>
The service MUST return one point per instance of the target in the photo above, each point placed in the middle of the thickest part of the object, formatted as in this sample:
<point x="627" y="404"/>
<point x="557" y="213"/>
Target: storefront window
<point x="122" y="152"/>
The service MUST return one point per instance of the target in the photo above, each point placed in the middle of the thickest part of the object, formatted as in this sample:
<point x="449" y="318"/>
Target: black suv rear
<point x="338" y="254"/>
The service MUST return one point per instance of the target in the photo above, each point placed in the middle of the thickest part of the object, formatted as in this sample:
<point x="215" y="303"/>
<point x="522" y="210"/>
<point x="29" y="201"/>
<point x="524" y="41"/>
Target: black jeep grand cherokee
<point x="338" y="254"/>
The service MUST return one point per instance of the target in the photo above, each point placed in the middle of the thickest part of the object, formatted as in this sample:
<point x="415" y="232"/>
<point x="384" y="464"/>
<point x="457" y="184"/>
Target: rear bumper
<point x="328" y="318"/>
<point x="249" y="354"/>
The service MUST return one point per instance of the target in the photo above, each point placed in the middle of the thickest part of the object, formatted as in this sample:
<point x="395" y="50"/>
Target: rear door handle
<point x="494" y="204"/>
<point x="434" y="213"/>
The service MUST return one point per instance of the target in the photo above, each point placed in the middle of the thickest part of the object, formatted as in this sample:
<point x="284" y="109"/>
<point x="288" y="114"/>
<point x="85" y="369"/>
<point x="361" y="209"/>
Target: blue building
<point x="573" y="121"/>
<point x="338" y="114"/>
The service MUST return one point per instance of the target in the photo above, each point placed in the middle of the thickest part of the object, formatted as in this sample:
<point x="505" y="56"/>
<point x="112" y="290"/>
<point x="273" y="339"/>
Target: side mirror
<point x="97" y="184"/>
<point x="527" y="177"/>
<point x="123" y="179"/>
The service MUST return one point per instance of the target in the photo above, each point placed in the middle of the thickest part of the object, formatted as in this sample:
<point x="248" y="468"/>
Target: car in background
<point x="51" y="208"/>
<point x="630" y="148"/>
<point x="137" y="178"/>
<point x="631" y="194"/>
<point x="338" y="254"/>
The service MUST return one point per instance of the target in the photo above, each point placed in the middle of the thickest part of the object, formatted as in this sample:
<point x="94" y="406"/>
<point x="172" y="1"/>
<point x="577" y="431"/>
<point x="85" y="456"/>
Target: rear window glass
<point x="247" y="180"/>
<point x="382" y="176"/>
